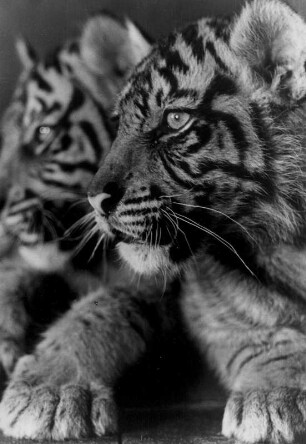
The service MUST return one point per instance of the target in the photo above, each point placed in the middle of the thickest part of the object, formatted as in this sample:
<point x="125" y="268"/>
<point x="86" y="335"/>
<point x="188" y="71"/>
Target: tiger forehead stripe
<point x="194" y="41"/>
<point x="198" y="38"/>
<point x="42" y="83"/>
<point x="176" y="59"/>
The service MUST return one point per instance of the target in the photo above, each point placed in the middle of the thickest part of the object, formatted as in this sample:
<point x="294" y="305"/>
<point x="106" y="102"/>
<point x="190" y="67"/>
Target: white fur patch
<point x="145" y="259"/>
<point x="45" y="257"/>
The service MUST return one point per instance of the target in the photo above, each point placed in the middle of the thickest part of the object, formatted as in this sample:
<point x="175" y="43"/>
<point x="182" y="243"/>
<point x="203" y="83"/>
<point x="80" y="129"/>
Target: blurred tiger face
<point x="54" y="137"/>
<point x="189" y="167"/>
<point x="57" y="129"/>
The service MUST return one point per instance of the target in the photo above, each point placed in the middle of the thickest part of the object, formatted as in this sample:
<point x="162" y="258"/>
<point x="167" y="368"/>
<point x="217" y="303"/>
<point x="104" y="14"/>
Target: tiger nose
<point x="107" y="201"/>
<point x="97" y="202"/>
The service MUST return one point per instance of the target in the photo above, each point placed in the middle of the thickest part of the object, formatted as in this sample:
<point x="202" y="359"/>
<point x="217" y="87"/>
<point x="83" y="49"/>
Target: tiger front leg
<point x="64" y="389"/>
<point x="267" y="379"/>
<point x="14" y="319"/>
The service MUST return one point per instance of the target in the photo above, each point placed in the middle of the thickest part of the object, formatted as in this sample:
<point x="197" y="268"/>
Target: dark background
<point x="47" y="23"/>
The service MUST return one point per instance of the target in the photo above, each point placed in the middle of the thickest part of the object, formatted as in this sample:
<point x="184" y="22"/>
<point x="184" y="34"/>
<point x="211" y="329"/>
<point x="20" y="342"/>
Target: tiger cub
<point x="62" y="389"/>
<point x="55" y="134"/>
<point x="207" y="178"/>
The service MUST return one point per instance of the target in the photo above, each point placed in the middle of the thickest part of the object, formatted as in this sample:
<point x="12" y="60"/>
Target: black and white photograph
<point x="153" y="221"/>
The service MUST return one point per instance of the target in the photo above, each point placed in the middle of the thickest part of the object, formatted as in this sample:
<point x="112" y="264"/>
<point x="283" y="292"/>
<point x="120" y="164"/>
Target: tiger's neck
<point x="275" y="276"/>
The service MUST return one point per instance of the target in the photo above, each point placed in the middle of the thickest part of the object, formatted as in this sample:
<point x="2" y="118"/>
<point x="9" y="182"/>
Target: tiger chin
<point x="206" y="177"/>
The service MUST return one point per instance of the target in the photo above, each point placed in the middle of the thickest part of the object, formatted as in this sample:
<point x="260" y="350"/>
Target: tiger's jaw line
<point x="145" y="259"/>
<point x="142" y="257"/>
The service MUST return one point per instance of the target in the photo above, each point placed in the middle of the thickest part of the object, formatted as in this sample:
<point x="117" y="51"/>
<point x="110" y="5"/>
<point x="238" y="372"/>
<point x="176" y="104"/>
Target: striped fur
<point x="58" y="128"/>
<point x="206" y="178"/>
<point x="56" y="133"/>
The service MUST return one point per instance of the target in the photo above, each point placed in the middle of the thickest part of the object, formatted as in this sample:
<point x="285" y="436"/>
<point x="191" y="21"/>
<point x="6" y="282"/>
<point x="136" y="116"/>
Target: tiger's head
<point x="209" y="153"/>
<point x="57" y="129"/>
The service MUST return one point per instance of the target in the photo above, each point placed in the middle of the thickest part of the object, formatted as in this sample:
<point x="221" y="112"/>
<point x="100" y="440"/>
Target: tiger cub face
<point x="206" y="157"/>
<point x="57" y="129"/>
<point x="54" y="136"/>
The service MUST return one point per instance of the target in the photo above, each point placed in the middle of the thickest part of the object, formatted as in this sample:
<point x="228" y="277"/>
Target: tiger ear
<point x="271" y="38"/>
<point x="26" y="53"/>
<point x="110" y="47"/>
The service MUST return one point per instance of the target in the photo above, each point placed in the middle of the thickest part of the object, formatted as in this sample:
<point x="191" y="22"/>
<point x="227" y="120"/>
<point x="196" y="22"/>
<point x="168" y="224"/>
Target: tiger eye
<point x="43" y="132"/>
<point x="177" y="119"/>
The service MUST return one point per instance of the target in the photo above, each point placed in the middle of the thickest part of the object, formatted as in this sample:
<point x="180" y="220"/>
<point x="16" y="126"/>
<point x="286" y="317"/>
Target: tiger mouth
<point x="145" y="238"/>
<point x="148" y="250"/>
<point x="153" y="232"/>
<point x="127" y="238"/>
<point x="40" y="221"/>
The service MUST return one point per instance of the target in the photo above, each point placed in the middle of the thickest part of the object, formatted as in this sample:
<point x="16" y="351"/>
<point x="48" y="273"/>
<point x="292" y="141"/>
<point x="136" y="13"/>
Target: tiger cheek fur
<point x="206" y="177"/>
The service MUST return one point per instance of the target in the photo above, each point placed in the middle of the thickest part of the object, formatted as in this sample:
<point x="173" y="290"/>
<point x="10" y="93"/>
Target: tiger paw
<point x="276" y="416"/>
<point x="289" y="83"/>
<point x="45" y="411"/>
<point x="10" y="352"/>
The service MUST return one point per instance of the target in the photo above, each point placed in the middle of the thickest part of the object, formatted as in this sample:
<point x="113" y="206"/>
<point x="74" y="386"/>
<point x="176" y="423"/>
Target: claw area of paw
<point x="276" y="416"/>
<point x="10" y="352"/>
<point x="47" y="412"/>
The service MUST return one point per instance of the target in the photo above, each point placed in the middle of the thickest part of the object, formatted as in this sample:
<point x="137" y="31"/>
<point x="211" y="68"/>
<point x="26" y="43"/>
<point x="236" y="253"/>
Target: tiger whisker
<point x="177" y="195"/>
<point x="88" y="236"/>
<point x="49" y="226"/>
<point x="78" y="202"/>
<point x="216" y="236"/>
<point x="102" y="238"/>
<point x="167" y="228"/>
<point x="52" y="218"/>
<point x="83" y="223"/>
<point x="219" y="212"/>
<point x="80" y="237"/>
<point x="181" y="231"/>
<point x="159" y="235"/>
<point x="155" y="237"/>
<point x="174" y="224"/>
<point x="148" y="234"/>
<point x="82" y="200"/>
